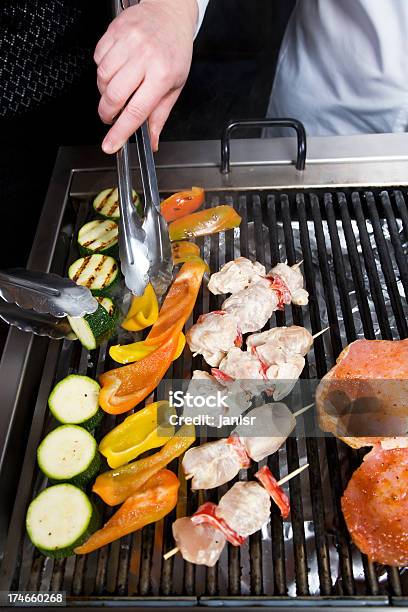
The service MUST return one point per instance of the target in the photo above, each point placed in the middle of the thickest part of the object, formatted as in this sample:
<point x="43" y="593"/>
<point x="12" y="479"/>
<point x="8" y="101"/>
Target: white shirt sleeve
<point x="202" y="5"/>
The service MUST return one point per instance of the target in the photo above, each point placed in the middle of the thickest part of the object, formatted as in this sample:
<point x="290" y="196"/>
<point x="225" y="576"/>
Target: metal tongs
<point x="144" y="245"/>
<point x="38" y="302"/>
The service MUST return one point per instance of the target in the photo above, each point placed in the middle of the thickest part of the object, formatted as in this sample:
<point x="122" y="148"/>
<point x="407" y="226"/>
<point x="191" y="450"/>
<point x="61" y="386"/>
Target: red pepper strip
<point x="221" y="376"/>
<point x="265" y="477"/>
<point x="207" y="513"/>
<point x="239" y="447"/>
<point x="156" y="498"/>
<point x="281" y="289"/>
<point x="238" y="340"/>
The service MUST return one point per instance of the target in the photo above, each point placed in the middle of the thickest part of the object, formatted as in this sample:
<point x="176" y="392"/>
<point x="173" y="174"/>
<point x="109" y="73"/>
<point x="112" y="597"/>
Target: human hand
<point x="143" y="62"/>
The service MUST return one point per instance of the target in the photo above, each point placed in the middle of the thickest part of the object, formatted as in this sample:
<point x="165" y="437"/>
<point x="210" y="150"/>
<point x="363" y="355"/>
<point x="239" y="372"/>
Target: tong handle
<point x="147" y="167"/>
<point x="14" y="279"/>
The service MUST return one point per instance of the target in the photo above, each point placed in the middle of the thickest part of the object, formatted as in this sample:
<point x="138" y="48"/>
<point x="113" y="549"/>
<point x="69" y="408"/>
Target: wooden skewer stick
<point x="320" y="332"/>
<point x="302" y="410"/>
<point x="297" y="265"/>
<point x="175" y="550"/>
<point x="170" y="553"/>
<point x="292" y="474"/>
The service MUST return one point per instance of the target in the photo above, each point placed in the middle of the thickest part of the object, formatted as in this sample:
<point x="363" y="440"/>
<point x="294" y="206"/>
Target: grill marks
<point x="94" y="271"/>
<point x="108" y="204"/>
<point x="98" y="236"/>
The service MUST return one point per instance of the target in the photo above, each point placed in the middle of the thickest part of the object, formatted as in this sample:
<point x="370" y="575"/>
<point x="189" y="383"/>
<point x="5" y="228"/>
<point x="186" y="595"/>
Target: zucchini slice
<point x="109" y="306"/>
<point x="75" y="401"/>
<point x="69" y="454"/>
<point x="106" y="203"/>
<point x="59" y="519"/>
<point x="93" y="329"/>
<point x="98" y="237"/>
<point x="98" y="272"/>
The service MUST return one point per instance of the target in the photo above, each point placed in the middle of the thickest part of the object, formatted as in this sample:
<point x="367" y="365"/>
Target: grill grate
<point x="354" y="246"/>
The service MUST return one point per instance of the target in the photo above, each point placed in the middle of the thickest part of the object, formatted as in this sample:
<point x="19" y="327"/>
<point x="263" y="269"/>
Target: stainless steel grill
<point x="354" y="243"/>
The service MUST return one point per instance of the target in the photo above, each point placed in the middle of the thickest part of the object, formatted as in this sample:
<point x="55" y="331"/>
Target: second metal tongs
<point x="38" y="302"/>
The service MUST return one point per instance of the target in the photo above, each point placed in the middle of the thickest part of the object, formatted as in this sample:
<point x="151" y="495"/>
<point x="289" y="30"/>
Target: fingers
<point x="118" y="91"/>
<point x="160" y="115"/>
<point x="110" y="65"/>
<point x="138" y="109"/>
<point x="103" y="46"/>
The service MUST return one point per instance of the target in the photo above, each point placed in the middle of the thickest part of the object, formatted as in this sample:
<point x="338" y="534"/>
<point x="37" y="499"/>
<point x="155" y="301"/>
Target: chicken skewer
<point x="238" y="394"/>
<point x="215" y="463"/>
<point x="242" y="511"/>
<point x="255" y="295"/>
<point x="277" y="354"/>
<point x="253" y="306"/>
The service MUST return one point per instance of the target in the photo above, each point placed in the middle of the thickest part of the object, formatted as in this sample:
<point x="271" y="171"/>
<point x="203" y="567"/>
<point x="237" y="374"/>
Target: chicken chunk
<point x="203" y="385"/>
<point x="245" y="369"/>
<point x="287" y="340"/>
<point x="245" y="508"/>
<point x="285" y="375"/>
<point x="281" y="351"/>
<point x="212" y="464"/>
<point x="272" y="425"/>
<point x="235" y="276"/>
<point x="200" y="544"/>
<point x="253" y="306"/>
<point x="213" y="335"/>
<point x="293" y="279"/>
<point x="241" y="365"/>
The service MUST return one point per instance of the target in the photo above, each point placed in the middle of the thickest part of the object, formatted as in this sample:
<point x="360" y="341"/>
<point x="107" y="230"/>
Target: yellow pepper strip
<point x="143" y="311"/>
<point x="149" y="428"/>
<point x="182" y="249"/>
<point x="136" y="351"/>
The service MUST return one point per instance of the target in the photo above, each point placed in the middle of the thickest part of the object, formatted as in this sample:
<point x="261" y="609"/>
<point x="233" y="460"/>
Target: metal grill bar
<point x="323" y="229"/>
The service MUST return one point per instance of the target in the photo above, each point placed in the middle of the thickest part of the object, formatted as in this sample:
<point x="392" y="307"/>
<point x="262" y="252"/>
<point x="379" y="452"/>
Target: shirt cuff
<point x="202" y="5"/>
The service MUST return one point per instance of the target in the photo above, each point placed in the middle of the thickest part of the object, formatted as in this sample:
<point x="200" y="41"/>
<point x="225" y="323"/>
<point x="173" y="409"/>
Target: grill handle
<point x="261" y="123"/>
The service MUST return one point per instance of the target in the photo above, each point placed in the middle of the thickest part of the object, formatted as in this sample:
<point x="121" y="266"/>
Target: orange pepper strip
<point x="123" y="388"/>
<point x="116" y="485"/>
<point x="151" y="503"/>
<point x="179" y="302"/>
<point x="182" y="203"/>
<point x="204" y="222"/>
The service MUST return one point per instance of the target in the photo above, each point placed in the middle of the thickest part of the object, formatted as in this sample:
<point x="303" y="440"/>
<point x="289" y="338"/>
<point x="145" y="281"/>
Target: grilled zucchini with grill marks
<point x="98" y="272"/>
<point x="93" y="329"/>
<point x="106" y="203"/>
<point x="98" y="237"/>
<point x="59" y="519"/>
